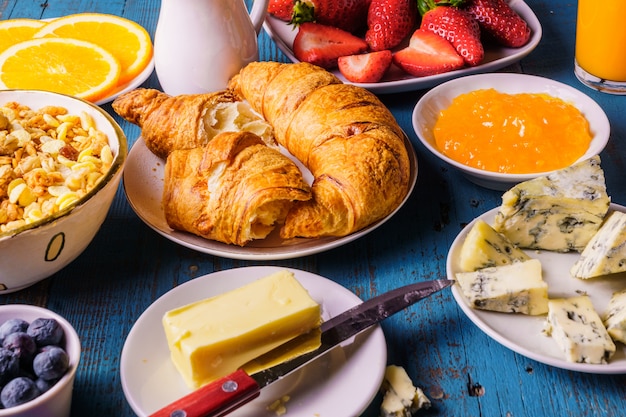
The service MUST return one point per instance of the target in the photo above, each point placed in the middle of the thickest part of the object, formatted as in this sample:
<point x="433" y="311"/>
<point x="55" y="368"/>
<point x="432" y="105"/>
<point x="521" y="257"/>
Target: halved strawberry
<point x="428" y="54"/>
<point x="281" y="9"/>
<point x="365" y="68"/>
<point x="322" y="45"/>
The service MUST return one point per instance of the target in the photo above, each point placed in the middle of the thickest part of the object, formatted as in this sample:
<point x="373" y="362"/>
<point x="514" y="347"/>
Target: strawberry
<point x="498" y="19"/>
<point x="322" y="45"/>
<point x="389" y="22"/>
<point x="455" y="25"/>
<point x="349" y="15"/>
<point x="428" y="54"/>
<point x="281" y="9"/>
<point x="365" y="68"/>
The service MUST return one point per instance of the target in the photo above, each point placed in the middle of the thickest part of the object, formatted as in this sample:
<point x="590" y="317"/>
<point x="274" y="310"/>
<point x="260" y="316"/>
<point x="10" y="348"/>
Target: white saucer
<point x="341" y="383"/>
<point x="522" y="333"/>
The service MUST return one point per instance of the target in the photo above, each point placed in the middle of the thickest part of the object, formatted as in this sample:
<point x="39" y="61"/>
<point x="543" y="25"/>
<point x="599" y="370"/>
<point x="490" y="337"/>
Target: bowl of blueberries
<point x="39" y="355"/>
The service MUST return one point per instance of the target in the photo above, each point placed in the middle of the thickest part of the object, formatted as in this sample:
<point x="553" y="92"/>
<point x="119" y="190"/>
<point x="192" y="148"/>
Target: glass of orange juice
<point x="601" y="45"/>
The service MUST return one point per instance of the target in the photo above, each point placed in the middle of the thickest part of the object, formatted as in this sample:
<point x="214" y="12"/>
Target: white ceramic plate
<point x="131" y="85"/>
<point x="143" y="184"/>
<point x="523" y="334"/>
<point x="341" y="383"/>
<point x="397" y="81"/>
<point x="427" y="109"/>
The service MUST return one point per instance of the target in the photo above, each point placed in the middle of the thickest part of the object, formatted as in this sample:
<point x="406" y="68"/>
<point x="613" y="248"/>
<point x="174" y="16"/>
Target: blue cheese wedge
<point x="558" y="212"/>
<point x="484" y="247"/>
<point x="401" y="398"/>
<point x="578" y="330"/>
<point x="615" y="317"/>
<point x="606" y="251"/>
<point x="515" y="288"/>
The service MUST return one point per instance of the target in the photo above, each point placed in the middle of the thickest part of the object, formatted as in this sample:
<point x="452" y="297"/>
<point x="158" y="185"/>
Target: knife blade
<point x="228" y="393"/>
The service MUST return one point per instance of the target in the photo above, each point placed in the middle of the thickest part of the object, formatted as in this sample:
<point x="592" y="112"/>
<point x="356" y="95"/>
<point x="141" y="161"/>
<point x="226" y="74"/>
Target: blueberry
<point x="45" y="331"/>
<point x="18" y="391"/>
<point x="44" y="385"/>
<point x="22" y="345"/>
<point x="12" y="326"/>
<point x="9" y="365"/>
<point x="51" y="363"/>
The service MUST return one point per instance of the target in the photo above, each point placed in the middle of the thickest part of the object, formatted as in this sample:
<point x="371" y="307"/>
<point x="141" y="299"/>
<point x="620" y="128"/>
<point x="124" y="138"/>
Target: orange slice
<point x="62" y="65"/>
<point x="128" y="41"/>
<point x="13" y="31"/>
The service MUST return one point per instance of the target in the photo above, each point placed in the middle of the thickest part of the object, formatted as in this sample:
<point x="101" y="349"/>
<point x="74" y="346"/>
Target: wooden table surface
<point x="128" y="266"/>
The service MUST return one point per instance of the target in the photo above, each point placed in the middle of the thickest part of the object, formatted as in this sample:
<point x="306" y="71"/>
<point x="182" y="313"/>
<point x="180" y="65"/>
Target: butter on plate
<point x="213" y="337"/>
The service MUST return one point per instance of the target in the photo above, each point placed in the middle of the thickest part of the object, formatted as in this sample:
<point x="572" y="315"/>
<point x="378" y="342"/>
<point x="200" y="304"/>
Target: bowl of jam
<point x="500" y="129"/>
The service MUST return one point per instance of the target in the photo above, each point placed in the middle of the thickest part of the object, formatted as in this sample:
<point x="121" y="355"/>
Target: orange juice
<point x="601" y="38"/>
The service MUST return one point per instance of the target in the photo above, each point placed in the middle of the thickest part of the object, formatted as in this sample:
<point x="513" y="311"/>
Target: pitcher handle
<point x="257" y="14"/>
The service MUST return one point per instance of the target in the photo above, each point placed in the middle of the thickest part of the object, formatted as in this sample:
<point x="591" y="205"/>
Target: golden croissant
<point x="342" y="133"/>
<point x="233" y="190"/>
<point x="187" y="121"/>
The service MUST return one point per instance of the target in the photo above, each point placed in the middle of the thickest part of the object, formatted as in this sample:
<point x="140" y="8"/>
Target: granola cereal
<point x="49" y="160"/>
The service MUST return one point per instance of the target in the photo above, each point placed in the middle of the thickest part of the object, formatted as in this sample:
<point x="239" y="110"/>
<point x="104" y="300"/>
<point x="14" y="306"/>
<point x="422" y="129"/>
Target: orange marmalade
<point x="512" y="133"/>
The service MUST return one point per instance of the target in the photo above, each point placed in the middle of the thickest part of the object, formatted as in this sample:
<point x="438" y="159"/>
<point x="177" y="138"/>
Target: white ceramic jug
<point x="200" y="44"/>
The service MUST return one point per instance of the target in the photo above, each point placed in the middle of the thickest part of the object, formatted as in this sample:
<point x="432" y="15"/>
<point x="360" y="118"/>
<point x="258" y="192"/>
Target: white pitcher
<point x="200" y="44"/>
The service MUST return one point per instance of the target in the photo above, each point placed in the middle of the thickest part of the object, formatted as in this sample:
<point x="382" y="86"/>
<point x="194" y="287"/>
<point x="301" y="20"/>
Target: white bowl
<point x="427" y="110"/>
<point x="37" y="251"/>
<point x="57" y="401"/>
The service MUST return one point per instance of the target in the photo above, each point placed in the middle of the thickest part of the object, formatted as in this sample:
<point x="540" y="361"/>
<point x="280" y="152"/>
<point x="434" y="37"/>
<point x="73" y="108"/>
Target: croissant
<point x="187" y="121"/>
<point x="342" y="133"/>
<point x="233" y="190"/>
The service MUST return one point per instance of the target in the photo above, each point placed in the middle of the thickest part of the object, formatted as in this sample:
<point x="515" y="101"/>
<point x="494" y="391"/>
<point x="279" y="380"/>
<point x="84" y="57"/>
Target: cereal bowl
<point x="427" y="109"/>
<point x="57" y="400"/>
<point x="46" y="238"/>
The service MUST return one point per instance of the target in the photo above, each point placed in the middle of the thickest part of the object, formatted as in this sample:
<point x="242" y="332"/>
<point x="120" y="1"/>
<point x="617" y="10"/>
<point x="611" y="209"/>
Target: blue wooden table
<point x="128" y="265"/>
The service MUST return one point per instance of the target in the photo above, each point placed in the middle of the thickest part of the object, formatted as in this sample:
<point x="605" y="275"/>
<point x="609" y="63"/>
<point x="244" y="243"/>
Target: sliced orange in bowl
<point x="63" y="65"/>
<point x="13" y="31"/>
<point x="128" y="41"/>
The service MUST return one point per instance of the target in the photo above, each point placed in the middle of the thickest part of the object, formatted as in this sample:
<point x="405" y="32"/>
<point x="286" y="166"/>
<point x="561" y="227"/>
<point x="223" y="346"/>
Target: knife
<point x="228" y="393"/>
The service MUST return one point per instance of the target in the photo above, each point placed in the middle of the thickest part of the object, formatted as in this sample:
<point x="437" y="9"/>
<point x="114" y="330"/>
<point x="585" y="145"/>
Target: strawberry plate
<point x="496" y="57"/>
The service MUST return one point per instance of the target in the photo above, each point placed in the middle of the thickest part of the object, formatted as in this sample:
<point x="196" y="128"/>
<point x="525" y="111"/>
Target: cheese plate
<point x="150" y="380"/>
<point x="496" y="57"/>
<point x="143" y="185"/>
<point x="523" y="334"/>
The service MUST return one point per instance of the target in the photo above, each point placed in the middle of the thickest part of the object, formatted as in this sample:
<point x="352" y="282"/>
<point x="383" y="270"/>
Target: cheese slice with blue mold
<point x="615" y="317"/>
<point x="216" y="336"/>
<point x="514" y="288"/>
<point x="606" y="251"/>
<point x="483" y="247"/>
<point x="558" y="212"/>
<point x="578" y="330"/>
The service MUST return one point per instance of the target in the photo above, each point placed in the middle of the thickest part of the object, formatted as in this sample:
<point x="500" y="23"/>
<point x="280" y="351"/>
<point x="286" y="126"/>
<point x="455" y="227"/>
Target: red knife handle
<point x="215" y="399"/>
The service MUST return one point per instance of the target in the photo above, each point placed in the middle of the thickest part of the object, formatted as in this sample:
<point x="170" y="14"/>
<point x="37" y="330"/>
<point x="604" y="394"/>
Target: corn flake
<point x="49" y="159"/>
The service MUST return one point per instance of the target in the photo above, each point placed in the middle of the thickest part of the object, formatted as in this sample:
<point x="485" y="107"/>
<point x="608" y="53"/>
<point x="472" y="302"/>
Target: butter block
<point x="578" y="330"/>
<point x="484" y="248"/>
<point x="214" y="337"/>
<point x="606" y="251"/>
<point x="515" y="288"/>
<point x="615" y="317"/>
<point x="558" y="212"/>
